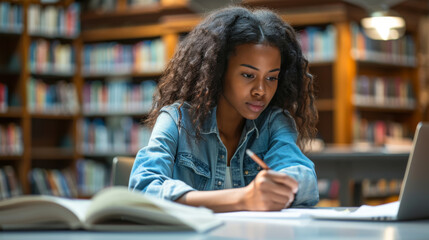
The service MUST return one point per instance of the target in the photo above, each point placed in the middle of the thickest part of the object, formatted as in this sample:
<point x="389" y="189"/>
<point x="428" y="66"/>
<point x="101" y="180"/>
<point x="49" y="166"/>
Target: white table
<point x="255" y="229"/>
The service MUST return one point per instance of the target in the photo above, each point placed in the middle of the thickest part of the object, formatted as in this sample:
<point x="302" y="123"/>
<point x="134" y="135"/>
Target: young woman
<point x="238" y="81"/>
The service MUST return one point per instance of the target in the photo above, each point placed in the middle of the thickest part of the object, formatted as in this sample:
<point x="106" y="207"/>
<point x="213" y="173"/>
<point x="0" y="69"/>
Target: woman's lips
<point x="255" y="107"/>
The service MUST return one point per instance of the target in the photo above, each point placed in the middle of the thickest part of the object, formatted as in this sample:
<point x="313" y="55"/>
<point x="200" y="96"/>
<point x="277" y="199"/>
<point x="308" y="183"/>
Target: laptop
<point x="414" y="196"/>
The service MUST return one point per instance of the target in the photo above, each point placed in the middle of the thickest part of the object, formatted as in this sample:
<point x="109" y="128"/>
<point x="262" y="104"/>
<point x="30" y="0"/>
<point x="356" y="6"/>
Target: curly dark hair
<point x="196" y="71"/>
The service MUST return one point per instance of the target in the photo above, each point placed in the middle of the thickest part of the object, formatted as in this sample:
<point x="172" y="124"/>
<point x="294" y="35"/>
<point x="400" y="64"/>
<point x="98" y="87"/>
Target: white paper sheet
<point x="382" y="212"/>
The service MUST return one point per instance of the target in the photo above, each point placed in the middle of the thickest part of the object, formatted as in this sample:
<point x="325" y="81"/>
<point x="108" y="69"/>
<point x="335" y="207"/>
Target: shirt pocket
<point x="192" y="171"/>
<point x="251" y="168"/>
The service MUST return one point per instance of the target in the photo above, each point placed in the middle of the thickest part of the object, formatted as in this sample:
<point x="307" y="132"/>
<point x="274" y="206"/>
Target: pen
<point x="255" y="158"/>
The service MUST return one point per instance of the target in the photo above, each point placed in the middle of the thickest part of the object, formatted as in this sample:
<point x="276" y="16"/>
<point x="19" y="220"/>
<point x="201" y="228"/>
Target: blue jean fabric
<point x="174" y="163"/>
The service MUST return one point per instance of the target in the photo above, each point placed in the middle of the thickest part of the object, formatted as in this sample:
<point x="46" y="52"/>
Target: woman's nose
<point x="258" y="89"/>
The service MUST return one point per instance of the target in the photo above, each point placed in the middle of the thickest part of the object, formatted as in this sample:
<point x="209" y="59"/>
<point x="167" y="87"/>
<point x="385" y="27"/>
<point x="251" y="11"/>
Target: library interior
<point x="77" y="80"/>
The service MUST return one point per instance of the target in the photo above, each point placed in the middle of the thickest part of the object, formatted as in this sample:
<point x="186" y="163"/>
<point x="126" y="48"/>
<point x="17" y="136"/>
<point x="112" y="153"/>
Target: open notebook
<point x="414" y="197"/>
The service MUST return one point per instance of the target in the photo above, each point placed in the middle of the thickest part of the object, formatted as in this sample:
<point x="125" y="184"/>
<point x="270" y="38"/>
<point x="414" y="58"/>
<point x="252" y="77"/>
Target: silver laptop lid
<point x="414" y="197"/>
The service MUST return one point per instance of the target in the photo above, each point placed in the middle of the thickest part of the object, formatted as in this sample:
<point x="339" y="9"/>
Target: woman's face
<point x="251" y="79"/>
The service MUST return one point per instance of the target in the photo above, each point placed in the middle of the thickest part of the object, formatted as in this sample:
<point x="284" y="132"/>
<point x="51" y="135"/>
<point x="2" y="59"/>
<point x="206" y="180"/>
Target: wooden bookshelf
<point x="36" y="128"/>
<point x="165" y="20"/>
<point x="335" y="78"/>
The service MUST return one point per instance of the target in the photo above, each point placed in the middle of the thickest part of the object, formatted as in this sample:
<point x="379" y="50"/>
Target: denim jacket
<point x="174" y="163"/>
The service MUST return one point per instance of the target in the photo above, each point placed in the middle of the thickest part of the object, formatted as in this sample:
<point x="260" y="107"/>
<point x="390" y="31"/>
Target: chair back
<point x="121" y="170"/>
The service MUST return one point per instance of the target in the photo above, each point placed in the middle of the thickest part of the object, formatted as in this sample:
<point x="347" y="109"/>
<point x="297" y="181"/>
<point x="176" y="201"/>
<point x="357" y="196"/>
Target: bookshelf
<point x="332" y="25"/>
<point x="40" y="109"/>
<point x="140" y="52"/>
<point x="368" y="91"/>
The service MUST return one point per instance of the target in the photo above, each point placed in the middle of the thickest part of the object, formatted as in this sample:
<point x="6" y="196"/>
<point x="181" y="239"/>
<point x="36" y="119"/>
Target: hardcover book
<point x="112" y="209"/>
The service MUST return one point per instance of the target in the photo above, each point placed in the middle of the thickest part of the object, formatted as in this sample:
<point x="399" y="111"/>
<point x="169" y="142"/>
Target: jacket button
<point x="219" y="183"/>
<point x="246" y="172"/>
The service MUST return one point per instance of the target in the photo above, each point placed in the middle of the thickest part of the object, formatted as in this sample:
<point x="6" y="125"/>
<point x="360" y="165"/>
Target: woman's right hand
<point x="269" y="191"/>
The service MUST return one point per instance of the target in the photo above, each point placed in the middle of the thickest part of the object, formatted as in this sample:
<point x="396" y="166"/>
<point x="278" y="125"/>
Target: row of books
<point x="328" y="188"/>
<point x="384" y="92"/>
<point x="58" y="98"/>
<point x="54" y="21"/>
<point x="141" y="3"/>
<point x="3" y="97"/>
<point x="47" y="57"/>
<point x="143" y="57"/>
<point x="10" y="17"/>
<point x="9" y="184"/>
<point x="399" y="52"/>
<point x="318" y="44"/>
<point x="92" y="176"/>
<point x="85" y="180"/>
<point x="99" y="5"/>
<point x="372" y="188"/>
<point x="11" y="139"/>
<point x="379" y="132"/>
<point x="113" y="135"/>
<point x="118" y="96"/>
<point x="53" y="182"/>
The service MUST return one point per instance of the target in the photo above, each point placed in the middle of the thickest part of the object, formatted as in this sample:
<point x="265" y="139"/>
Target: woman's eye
<point x="272" y="78"/>
<point x="246" y="75"/>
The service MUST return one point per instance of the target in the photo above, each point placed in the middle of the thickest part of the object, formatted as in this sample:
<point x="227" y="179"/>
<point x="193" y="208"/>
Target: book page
<point x="386" y="211"/>
<point x="261" y="215"/>
<point x="33" y="212"/>
<point x="77" y="206"/>
<point x="290" y="213"/>
<point x="118" y="206"/>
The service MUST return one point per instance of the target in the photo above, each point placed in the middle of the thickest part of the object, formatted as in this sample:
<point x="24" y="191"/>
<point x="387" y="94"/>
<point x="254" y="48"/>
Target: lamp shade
<point x="384" y="25"/>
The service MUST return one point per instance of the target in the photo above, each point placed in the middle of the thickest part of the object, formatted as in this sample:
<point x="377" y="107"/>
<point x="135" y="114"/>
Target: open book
<point x="112" y="209"/>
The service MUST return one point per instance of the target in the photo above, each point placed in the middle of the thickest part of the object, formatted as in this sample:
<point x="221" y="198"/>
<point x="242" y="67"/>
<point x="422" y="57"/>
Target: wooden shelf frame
<point x="129" y="15"/>
<point x="22" y="115"/>
<point x="12" y="112"/>
<point x="168" y="25"/>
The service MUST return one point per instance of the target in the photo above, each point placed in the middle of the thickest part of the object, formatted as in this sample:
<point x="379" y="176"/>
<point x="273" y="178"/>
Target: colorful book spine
<point x="10" y="17"/>
<point x="92" y="176"/>
<point x="142" y="3"/>
<point x="53" y="182"/>
<point x="380" y="188"/>
<point x="318" y="44"/>
<point x="147" y="56"/>
<point x="54" y="21"/>
<point x="398" y="52"/>
<point x="384" y="92"/>
<point x="47" y="57"/>
<point x="328" y="188"/>
<point x="378" y="132"/>
<point x="59" y="98"/>
<point x="11" y="139"/>
<point x="14" y="187"/>
<point x="118" y="135"/>
<point x="118" y="96"/>
<point x="3" y="97"/>
<point x="4" y="190"/>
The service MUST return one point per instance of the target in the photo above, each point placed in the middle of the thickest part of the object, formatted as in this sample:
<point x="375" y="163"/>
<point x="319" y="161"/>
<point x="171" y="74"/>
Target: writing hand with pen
<point x="270" y="190"/>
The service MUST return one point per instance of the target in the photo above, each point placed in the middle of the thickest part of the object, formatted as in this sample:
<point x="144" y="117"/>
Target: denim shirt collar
<point x="210" y="125"/>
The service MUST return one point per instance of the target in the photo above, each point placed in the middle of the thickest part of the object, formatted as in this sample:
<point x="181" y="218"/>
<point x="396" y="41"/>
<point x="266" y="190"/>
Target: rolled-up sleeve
<point x="153" y="167"/>
<point x="285" y="156"/>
